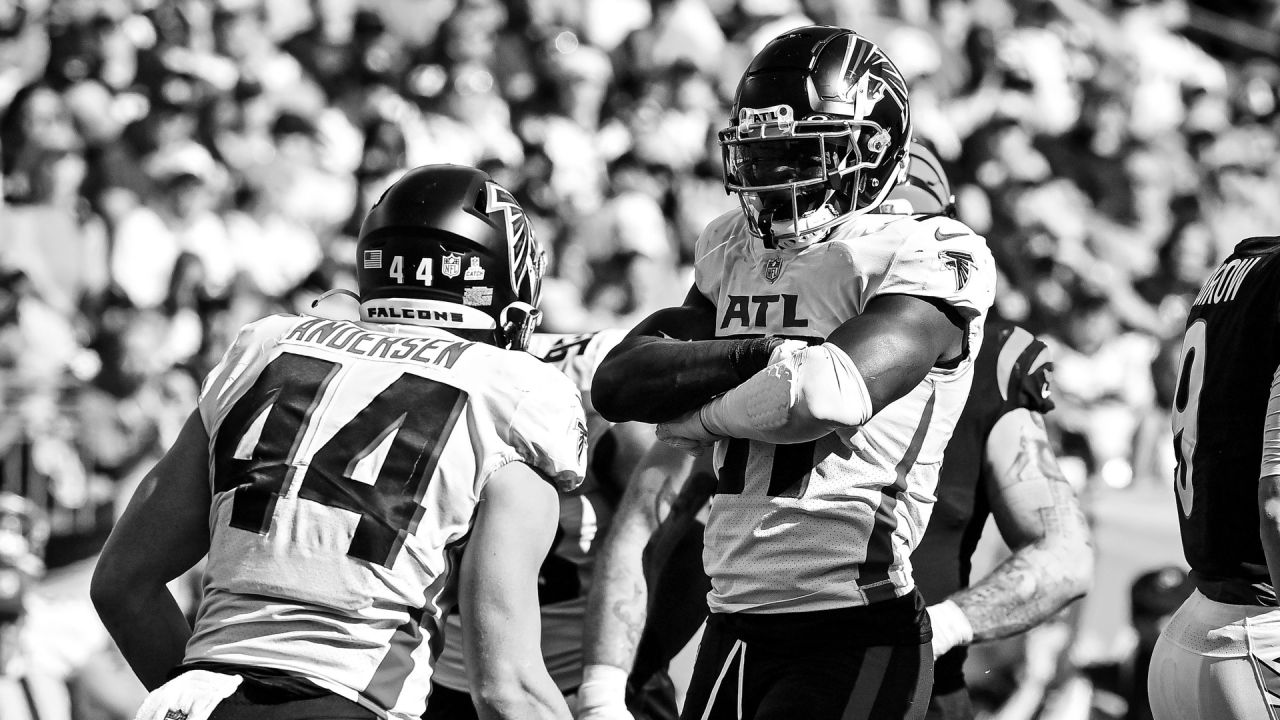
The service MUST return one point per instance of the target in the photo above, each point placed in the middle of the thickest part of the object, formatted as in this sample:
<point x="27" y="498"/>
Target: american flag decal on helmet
<point x="522" y="251"/>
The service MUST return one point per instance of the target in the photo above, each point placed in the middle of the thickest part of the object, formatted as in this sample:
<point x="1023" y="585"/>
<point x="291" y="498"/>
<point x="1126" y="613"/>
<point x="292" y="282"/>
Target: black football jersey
<point x="1229" y="354"/>
<point x="1012" y="371"/>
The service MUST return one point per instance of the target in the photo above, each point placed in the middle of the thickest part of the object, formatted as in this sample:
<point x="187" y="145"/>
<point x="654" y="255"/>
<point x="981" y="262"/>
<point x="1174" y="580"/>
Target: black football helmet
<point x="448" y="246"/>
<point x="926" y="190"/>
<point x="819" y="133"/>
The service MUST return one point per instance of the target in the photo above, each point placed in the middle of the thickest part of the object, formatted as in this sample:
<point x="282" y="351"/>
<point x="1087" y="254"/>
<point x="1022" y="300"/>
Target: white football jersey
<point x="346" y="461"/>
<point x="831" y="523"/>
<point x="584" y="519"/>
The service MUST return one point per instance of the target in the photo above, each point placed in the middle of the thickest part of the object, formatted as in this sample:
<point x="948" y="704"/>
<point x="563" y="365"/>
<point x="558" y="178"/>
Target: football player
<point x="614" y="453"/>
<point x="998" y="462"/>
<point x="349" y="481"/>
<point x="1217" y="656"/>
<point x="827" y="352"/>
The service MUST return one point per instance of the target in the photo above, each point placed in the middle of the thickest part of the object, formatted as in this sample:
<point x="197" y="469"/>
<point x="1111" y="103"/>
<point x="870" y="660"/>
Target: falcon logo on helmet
<point x="821" y="125"/>
<point x="448" y="217"/>
<point x="522" y="258"/>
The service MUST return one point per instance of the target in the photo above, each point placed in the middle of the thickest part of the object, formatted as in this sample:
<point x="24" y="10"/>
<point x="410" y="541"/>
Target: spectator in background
<point x="151" y="238"/>
<point x="1103" y="375"/>
<point x="49" y="230"/>
<point x="629" y="258"/>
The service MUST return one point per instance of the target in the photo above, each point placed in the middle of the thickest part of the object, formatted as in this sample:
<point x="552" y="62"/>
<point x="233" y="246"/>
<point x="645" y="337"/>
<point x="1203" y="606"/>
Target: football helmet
<point x="925" y="190"/>
<point x="447" y="246"/>
<point x="819" y="134"/>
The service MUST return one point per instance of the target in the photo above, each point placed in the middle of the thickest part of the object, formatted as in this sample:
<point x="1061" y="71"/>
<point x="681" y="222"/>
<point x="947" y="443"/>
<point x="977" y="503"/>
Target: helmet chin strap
<point x="518" y="321"/>
<point x="330" y="293"/>
<point x="765" y="224"/>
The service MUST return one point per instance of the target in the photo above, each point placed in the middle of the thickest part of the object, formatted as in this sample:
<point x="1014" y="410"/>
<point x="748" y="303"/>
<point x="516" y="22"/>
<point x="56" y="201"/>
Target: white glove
<point x="191" y="696"/>
<point x="951" y="627"/>
<point x="687" y="433"/>
<point x="603" y="694"/>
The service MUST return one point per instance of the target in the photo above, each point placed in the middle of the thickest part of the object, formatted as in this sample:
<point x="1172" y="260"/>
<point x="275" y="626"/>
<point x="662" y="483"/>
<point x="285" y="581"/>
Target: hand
<point x="785" y="348"/>
<point x="687" y="433"/>
<point x="191" y="696"/>
<point x="951" y="627"/>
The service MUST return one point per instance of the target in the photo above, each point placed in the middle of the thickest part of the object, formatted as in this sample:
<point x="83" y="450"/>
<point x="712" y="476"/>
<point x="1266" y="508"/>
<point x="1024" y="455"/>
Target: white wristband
<point x="603" y="686"/>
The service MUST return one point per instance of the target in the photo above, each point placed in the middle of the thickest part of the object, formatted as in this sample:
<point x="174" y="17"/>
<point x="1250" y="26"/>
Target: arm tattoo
<point x="1052" y="551"/>
<point x="617" y="606"/>
<point x="631" y="618"/>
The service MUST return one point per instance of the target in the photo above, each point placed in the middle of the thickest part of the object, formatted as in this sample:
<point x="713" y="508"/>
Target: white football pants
<point x="1215" y="661"/>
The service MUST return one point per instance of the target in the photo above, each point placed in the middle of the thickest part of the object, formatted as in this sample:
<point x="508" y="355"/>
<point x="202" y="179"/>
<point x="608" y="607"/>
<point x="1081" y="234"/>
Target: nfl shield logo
<point x="772" y="268"/>
<point x="451" y="265"/>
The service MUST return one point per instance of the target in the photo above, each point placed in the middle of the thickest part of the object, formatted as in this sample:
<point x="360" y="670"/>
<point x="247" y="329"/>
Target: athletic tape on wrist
<point x="602" y="686"/>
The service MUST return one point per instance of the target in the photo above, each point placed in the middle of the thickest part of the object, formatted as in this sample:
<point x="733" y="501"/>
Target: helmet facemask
<point x="796" y="179"/>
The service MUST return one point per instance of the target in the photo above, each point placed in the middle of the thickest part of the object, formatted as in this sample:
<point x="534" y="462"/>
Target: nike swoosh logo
<point x="940" y="236"/>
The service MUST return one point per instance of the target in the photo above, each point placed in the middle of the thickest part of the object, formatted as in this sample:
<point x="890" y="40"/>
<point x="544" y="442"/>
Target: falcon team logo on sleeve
<point x="961" y="265"/>
<point x="582" y="442"/>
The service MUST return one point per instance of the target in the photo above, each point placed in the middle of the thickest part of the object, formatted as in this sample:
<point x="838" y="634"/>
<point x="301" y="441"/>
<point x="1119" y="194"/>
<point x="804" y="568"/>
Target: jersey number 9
<point x="1186" y="411"/>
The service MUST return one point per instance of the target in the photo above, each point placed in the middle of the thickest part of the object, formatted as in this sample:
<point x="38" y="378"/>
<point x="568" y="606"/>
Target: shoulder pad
<point x="1023" y="367"/>
<point x="549" y="429"/>
<point x="942" y="258"/>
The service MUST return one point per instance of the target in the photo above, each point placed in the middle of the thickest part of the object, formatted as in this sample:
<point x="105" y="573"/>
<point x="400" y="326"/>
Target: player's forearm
<point x="147" y="625"/>
<point x="526" y="692"/>
<point x="805" y="395"/>
<point x="1269" y="524"/>
<point x="1027" y="588"/>
<point x="1269" y="483"/>
<point x="651" y="379"/>
<point x="618" y="603"/>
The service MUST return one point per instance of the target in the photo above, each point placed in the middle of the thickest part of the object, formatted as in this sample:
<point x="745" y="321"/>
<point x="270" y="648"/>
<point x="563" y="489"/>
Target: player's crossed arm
<point x="867" y="363"/>
<point x="1040" y="519"/>
<point x="670" y="364"/>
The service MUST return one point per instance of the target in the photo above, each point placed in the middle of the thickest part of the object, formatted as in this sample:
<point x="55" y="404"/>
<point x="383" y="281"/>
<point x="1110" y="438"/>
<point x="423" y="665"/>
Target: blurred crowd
<point x="172" y="169"/>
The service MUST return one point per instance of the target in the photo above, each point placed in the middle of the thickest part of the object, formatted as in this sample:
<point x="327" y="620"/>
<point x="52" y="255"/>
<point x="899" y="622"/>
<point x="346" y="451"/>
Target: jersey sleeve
<point x="240" y="365"/>
<point x="549" y="430"/>
<point x="1024" y="370"/>
<point x="709" y="253"/>
<point x="937" y="257"/>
